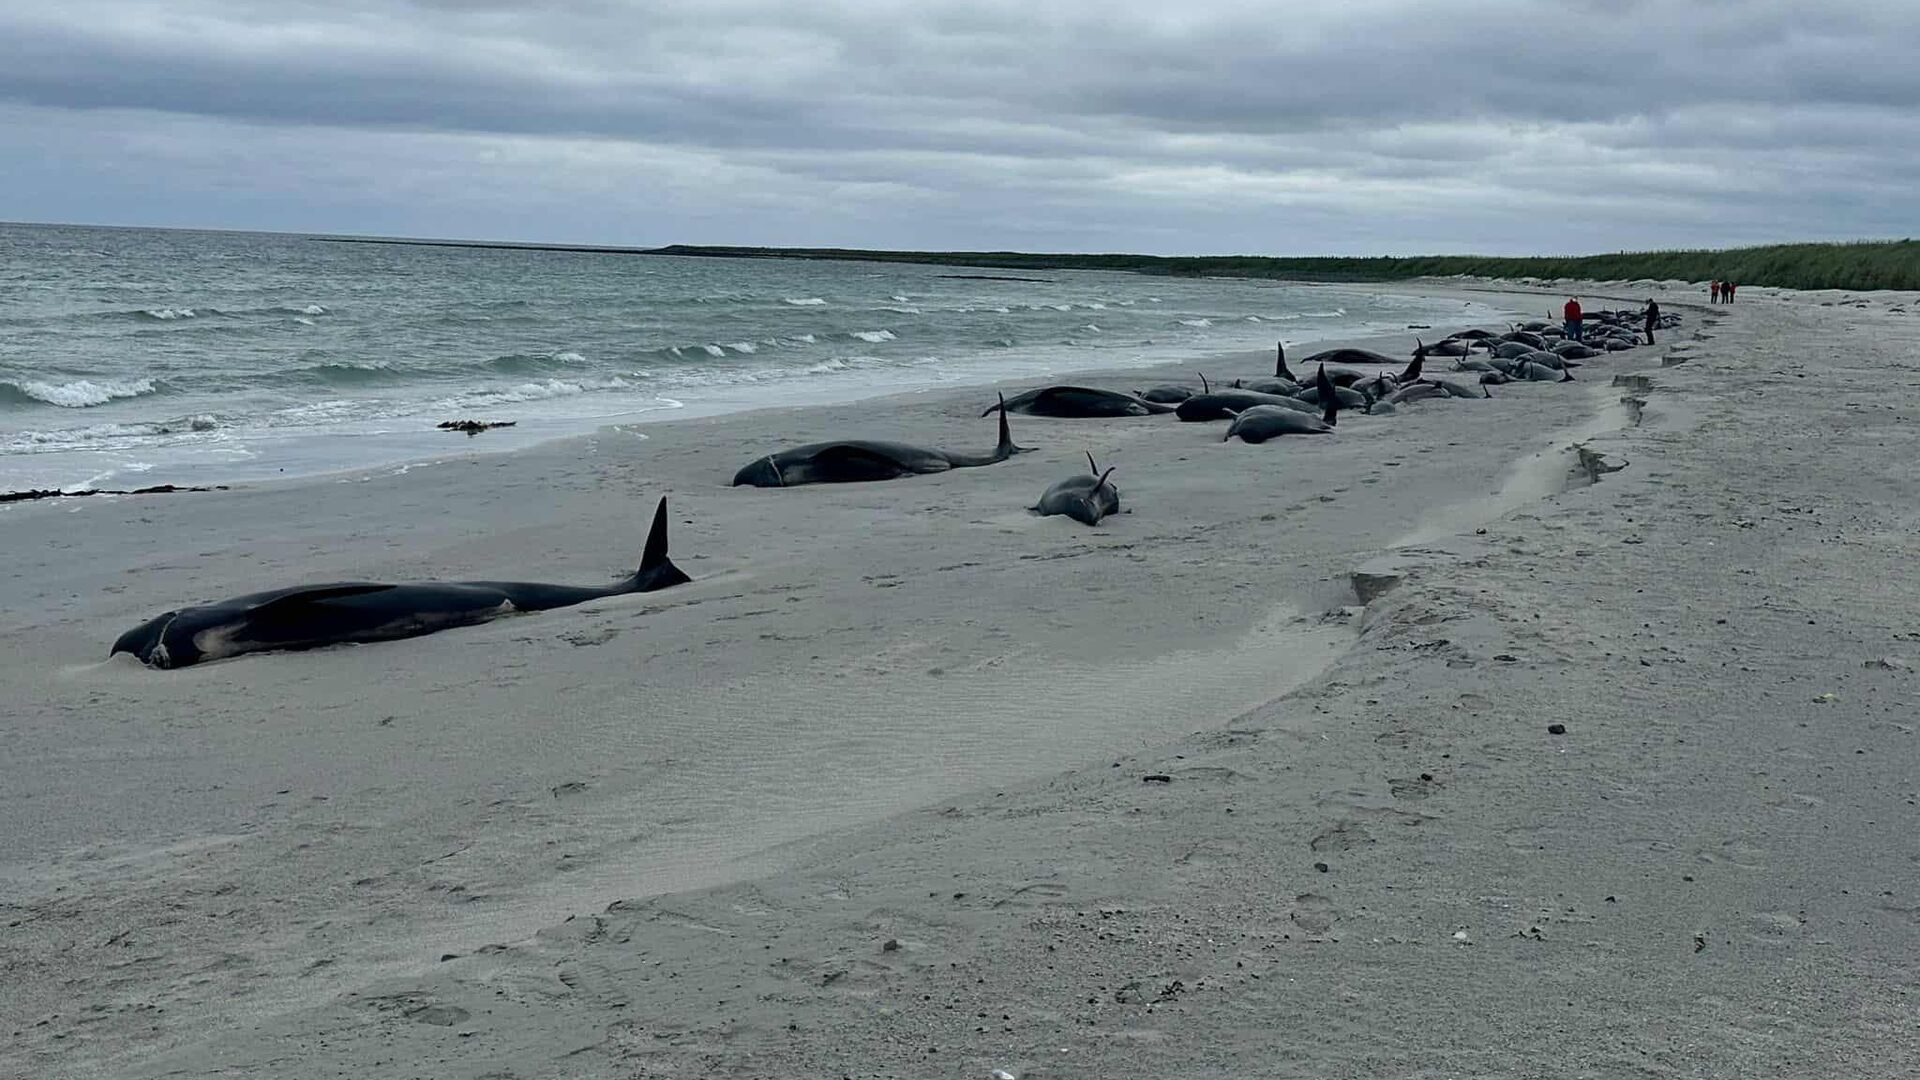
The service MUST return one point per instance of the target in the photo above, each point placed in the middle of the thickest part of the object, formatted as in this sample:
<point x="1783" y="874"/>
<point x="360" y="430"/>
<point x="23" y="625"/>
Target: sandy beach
<point x="910" y="782"/>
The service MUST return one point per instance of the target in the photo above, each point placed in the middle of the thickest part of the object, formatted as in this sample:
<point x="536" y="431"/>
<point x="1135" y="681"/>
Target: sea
<point x="136" y="357"/>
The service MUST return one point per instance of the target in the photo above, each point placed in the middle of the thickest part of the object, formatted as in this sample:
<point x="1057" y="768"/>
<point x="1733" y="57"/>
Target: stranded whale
<point x="310" y="616"/>
<point x="857" y="460"/>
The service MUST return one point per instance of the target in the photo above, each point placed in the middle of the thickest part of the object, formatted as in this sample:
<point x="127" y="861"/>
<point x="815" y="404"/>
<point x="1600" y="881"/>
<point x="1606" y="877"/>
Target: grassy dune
<point x="1887" y="264"/>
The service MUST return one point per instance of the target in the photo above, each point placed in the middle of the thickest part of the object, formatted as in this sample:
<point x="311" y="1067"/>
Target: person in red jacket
<point x="1714" y="288"/>
<point x="1573" y="316"/>
<point x="1726" y="290"/>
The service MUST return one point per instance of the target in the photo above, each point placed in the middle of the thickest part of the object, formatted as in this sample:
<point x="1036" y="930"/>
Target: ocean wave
<point x="1196" y="322"/>
<point x="872" y="337"/>
<point x="535" y="363"/>
<point x="346" y="373"/>
<point x="899" y="298"/>
<point x="806" y="301"/>
<point x="714" y="350"/>
<point x="747" y="348"/>
<point x="101" y="437"/>
<point x="901" y="310"/>
<point x="835" y="364"/>
<point x="539" y="391"/>
<point x="168" y="314"/>
<point x="1093" y="327"/>
<point x="78" y="394"/>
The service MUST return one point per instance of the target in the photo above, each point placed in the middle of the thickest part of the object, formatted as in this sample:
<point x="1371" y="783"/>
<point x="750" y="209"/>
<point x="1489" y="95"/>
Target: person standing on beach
<point x="1653" y="319"/>
<point x="1726" y="291"/>
<point x="1714" y="288"/>
<point x="1572" y="312"/>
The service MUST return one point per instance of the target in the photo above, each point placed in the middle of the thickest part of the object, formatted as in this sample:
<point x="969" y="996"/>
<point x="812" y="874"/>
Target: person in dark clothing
<point x="1574" y="319"/>
<point x="1653" y="319"/>
<point x="1714" y="288"/>
<point x="1726" y="290"/>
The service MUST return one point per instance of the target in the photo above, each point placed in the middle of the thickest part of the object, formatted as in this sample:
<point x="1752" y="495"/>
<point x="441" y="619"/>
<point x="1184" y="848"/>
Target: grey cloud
<point x="1072" y="124"/>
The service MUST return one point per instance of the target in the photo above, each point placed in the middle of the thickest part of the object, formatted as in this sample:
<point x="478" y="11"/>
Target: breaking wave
<point x="78" y="394"/>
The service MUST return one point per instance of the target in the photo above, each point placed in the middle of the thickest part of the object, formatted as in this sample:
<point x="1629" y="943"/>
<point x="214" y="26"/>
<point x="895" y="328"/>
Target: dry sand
<point x="867" y="798"/>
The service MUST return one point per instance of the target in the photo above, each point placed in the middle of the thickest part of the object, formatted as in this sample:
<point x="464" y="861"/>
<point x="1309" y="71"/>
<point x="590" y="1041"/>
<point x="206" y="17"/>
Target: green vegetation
<point x="1887" y="264"/>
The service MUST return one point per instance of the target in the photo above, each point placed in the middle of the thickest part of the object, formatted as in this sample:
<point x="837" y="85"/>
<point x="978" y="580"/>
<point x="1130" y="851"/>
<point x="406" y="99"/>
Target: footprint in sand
<point x="1774" y="927"/>
<point x="1314" y="913"/>
<point x="1342" y="836"/>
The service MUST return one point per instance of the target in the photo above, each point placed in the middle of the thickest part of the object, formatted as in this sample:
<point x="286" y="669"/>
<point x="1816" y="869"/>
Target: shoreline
<point x="870" y="692"/>
<point x="535" y="429"/>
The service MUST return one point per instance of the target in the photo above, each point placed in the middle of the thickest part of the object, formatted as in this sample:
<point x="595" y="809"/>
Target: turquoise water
<point x="132" y="357"/>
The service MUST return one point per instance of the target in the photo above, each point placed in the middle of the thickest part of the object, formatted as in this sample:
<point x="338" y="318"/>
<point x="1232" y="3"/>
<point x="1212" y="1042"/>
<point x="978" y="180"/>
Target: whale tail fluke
<point x="656" y="569"/>
<point x="1091" y="467"/>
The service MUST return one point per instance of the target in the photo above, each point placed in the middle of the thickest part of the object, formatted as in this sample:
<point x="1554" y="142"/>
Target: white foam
<point x="807" y="338"/>
<point x="714" y="350"/>
<point x="1092" y="327"/>
<point x="1196" y="322"/>
<point x="808" y="301"/>
<point x="1061" y="307"/>
<point x="313" y="309"/>
<point x="303" y="321"/>
<point x="873" y="337"/>
<point x="747" y="347"/>
<point x="167" y="313"/>
<point x="569" y="358"/>
<point x="902" y="310"/>
<point x="898" y="298"/>
<point x="541" y="391"/>
<point x="81" y="393"/>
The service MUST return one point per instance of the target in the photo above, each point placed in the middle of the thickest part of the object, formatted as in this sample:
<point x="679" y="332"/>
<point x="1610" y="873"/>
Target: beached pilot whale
<point x="858" y="460"/>
<point x="1079" y="403"/>
<point x="1085" y="499"/>
<point x="310" y="616"/>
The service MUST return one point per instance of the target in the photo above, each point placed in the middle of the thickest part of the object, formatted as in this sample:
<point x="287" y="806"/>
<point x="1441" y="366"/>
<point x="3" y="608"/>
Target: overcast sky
<point x="1180" y="126"/>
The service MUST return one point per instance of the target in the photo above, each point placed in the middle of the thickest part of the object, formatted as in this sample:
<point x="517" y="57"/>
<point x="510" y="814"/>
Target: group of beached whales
<point x="1256" y="410"/>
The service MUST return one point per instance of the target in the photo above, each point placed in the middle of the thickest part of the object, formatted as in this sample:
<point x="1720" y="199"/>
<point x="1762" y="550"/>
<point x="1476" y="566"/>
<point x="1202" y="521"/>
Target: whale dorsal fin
<point x="656" y="570"/>
<point x="1329" y="397"/>
<point x="1204" y="388"/>
<point x="1102" y="482"/>
<point x="1006" y="447"/>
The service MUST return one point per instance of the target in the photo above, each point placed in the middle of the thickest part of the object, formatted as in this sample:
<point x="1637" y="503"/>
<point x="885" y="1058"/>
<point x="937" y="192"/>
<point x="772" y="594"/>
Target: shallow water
<point x="132" y="356"/>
